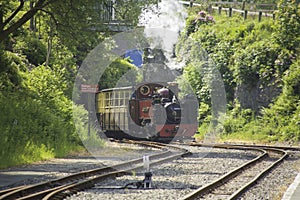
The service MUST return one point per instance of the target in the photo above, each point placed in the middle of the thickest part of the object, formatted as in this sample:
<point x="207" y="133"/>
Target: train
<point x="147" y="111"/>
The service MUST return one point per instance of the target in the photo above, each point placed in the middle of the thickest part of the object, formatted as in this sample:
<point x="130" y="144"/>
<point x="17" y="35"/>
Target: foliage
<point x="284" y="113"/>
<point x="119" y="73"/>
<point x="196" y="80"/>
<point x="237" y="119"/>
<point x="58" y="32"/>
<point x="195" y="21"/>
<point x="30" y="131"/>
<point x="42" y="43"/>
<point x="256" y="62"/>
<point x="33" y="48"/>
<point x="80" y="117"/>
<point x="12" y="64"/>
<point x="288" y="25"/>
<point x="59" y="28"/>
<point x="129" y="11"/>
<point x="256" y="59"/>
<point x="39" y="120"/>
<point x="49" y="86"/>
<point x="280" y="122"/>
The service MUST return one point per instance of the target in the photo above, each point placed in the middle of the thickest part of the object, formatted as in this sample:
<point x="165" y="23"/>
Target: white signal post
<point x="148" y="175"/>
<point x="146" y="163"/>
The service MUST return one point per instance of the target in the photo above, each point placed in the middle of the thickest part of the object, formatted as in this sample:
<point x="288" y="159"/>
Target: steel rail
<point x="68" y="190"/>
<point x="38" y="191"/>
<point x="167" y="146"/>
<point x="5" y="191"/>
<point x="260" y="175"/>
<point x="19" y="191"/>
<point x="224" y="179"/>
<point x="291" y="148"/>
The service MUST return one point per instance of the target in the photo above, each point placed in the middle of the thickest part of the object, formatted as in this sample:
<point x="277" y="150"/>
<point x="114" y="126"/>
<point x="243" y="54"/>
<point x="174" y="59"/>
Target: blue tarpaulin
<point x="136" y="56"/>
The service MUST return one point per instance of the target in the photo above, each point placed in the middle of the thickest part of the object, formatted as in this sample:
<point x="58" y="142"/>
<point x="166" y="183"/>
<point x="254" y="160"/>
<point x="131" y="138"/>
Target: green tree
<point x="68" y="16"/>
<point x="288" y="24"/>
<point x="120" y="73"/>
<point x="59" y="32"/>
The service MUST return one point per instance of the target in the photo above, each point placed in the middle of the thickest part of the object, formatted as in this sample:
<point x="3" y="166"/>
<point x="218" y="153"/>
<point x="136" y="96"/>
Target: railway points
<point x="61" y="187"/>
<point x="171" y="179"/>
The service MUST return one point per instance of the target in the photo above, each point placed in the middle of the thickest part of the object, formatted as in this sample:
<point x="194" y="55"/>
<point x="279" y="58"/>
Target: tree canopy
<point x="68" y="16"/>
<point x="42" y="45"/>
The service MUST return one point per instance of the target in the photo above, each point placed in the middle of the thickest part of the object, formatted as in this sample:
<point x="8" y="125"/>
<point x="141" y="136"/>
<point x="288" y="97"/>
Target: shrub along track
<point x="62" y="187"/>
<point x="237" y="181"/>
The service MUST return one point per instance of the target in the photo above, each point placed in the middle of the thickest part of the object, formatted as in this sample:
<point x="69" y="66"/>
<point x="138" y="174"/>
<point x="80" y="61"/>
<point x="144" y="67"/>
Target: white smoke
<point x="162" y="24"/>
<point x="167" y="14"/>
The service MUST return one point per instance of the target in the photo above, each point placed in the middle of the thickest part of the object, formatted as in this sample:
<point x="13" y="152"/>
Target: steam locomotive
<point x="149" y="111"/>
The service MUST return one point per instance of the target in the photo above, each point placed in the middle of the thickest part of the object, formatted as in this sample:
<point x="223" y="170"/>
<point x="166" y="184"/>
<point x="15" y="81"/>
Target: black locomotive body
<point x="146" y="111"/>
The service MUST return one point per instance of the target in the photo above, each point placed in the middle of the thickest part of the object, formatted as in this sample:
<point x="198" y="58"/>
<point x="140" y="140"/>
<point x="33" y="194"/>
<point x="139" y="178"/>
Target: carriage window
<point x="108" y="98"/>
<point x="122" y="96"/>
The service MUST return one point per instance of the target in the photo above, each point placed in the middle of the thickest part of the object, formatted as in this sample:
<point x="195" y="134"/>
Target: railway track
<point x="236" y="182"/>
<point x="230" y="145"/>
<point x="62" y="187"/>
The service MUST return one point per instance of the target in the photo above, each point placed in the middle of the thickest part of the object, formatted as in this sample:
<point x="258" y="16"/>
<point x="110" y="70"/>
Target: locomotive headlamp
<point x="145" y="90"/>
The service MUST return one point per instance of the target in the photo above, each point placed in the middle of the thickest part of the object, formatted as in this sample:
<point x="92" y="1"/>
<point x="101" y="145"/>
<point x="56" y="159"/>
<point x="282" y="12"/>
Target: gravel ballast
<point x="171" y="180"/>
<point x="176" y="179"/>
<point x="111" y="154"/>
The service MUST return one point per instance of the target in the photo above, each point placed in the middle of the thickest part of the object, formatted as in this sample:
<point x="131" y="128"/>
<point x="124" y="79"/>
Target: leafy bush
<point x="30" y="131"/>
<point x="237" y="119"/>
<point x="195" y="21"/>
<point x="92" y="140"/>
<point x="11" y="65"/>
<point x="288" y="24"/>
<point x="119" y="72"/>
<point x="283" y="116"/>
<point x="48" y="86"/>
<point x="256" y="62"/>
<point x="38" y="121"/>
<point x="33" y="48"/>
<point x="260" y="59"/>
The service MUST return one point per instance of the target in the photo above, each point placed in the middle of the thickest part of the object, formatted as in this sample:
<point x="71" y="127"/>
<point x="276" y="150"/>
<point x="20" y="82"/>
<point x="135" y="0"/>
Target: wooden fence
<point x="245" y="10"/>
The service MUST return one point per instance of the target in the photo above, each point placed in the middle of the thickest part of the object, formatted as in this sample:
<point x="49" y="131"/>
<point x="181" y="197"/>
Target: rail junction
<point x="228" y="186"/>
<point x="62" y="187"/>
